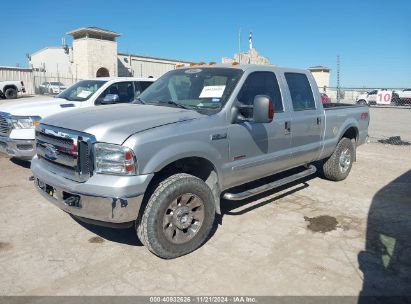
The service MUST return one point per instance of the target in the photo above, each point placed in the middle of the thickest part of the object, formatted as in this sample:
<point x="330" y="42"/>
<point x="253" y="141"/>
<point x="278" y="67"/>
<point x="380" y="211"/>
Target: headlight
<point x="114" y="159"/>
<point x="25" y="122"/>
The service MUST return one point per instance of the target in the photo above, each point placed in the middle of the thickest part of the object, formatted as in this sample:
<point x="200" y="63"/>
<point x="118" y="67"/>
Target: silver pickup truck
<point x="164" y="163"/>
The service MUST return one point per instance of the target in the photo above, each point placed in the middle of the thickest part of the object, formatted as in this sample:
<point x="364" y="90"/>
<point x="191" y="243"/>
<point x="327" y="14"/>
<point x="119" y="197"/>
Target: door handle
<point x="287" y="127"/>
<point x="318" y="120"/>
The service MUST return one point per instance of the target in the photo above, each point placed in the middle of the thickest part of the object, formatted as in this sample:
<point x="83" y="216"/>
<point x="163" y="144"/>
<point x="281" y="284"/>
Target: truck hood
<point x="115" y="123"/>
<point x="38" y="107"/>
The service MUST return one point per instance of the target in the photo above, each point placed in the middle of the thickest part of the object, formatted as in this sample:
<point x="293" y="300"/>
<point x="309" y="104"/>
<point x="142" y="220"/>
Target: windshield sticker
<point x="215" y="100"/>
<point x="212" y="91"/>
<point x="193" y="71"/>
<point x="84" y="94"/>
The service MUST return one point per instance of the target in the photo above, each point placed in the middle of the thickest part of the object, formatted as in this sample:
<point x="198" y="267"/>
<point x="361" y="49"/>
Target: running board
<point x="289" y="179"/>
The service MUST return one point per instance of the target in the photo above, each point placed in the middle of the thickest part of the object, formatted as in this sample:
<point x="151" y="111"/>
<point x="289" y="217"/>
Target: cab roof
<point x="246" y="67"/>
<point x="123" y="78"/>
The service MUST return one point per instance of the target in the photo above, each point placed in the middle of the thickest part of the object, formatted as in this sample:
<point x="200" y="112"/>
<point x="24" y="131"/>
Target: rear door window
<point x="301" y="94"/>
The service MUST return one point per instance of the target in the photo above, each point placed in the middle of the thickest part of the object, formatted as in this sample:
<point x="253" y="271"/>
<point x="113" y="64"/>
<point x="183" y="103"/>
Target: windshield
<point x="57" y="83"/>
<point x="81" y="90"/>
<point x="195" y="88"/>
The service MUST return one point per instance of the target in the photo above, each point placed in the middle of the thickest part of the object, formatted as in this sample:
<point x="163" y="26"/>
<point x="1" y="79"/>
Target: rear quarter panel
<point x="338" y="120"/>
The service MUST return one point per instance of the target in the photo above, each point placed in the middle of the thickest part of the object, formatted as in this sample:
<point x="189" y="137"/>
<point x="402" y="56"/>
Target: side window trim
<point x="137" y="88"/>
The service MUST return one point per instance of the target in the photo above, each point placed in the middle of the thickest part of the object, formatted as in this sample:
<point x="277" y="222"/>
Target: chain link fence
<point x="49" y="84"/>
<point x="370" y="96"/>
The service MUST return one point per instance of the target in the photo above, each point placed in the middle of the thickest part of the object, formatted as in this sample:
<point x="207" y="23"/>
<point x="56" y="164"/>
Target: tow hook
<point x="71" y="200"/>
<point x="123" y="204"/>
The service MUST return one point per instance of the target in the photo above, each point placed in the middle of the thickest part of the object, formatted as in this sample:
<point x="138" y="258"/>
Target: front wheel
<point x="338" y="165"/>
<point x="178" y="217"/>
<point x="10" y="93"/>
<point x="362" y="102"/>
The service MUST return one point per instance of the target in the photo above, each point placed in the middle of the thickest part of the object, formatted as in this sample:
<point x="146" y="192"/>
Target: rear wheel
<point x="178" y="217"/>
<point x="338" y="165"/>
<point x="10" y="93"/>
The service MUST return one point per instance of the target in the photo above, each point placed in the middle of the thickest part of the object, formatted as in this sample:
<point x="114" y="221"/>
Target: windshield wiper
<point x="63" y="97"/>
<point x="179" y="105"/>
<point x="139" y="100"/>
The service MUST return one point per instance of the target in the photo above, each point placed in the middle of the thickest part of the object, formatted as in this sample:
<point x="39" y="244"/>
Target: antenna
<point x="251" y="40"/>
<point x="64" y="46"/>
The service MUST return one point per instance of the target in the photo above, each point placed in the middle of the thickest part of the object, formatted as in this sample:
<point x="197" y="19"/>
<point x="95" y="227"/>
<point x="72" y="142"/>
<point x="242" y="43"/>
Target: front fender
<point x="177" y="151"/>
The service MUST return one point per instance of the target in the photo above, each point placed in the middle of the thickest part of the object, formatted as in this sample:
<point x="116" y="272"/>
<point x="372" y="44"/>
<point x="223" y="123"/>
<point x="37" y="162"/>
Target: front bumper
<point x="104" y="198"/>
<point x="18" y="148"/>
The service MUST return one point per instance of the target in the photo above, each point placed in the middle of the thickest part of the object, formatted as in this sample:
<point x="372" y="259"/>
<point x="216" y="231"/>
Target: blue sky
<point x="373" y="38"/>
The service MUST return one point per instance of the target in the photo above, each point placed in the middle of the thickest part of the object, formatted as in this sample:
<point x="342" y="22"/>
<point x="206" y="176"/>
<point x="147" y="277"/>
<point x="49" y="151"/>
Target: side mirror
<point x="263" y="111"/>
<point x="110" y="99"/>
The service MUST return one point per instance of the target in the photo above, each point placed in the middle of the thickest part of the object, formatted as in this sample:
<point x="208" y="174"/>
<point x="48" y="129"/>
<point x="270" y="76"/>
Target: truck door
<point x="306" y="120"/>
<point x="257" y="149"/>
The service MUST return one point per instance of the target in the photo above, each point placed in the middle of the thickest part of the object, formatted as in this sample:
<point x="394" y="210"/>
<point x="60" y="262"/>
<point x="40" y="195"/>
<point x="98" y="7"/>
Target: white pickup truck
<point x="19" y="118"/>
<point x="10" y="89"/>
<point x="404" y="96"/>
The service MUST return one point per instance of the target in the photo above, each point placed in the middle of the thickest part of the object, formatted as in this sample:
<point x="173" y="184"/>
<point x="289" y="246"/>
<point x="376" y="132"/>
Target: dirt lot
<point x="313" y="238"/>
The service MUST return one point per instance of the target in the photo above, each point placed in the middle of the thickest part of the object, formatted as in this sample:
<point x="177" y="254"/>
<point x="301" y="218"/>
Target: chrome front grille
<point x="66" y="152"/>
<point x="5" y="124"/>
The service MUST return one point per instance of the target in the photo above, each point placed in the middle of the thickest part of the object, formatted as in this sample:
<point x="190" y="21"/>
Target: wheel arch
<point x="194" y="164"/>
<point x="351" y="132"/>
<point x="10" y="86"/>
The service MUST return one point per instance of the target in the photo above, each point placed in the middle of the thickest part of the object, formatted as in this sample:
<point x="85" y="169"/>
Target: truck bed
<point x="333" y="106"/>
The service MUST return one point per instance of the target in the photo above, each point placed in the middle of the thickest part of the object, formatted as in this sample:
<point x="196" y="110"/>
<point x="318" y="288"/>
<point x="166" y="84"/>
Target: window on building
<point x="259" y="83"/>
<point x="301" y="94"/>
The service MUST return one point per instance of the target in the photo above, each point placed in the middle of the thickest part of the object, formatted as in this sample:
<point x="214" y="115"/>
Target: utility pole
<point x="338" y="78"/>
<point x="239" y="40"/>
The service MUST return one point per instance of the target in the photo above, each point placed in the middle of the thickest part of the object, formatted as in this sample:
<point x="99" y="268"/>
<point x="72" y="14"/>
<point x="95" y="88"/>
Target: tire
<point x="338" y="165"/>
<point x="10" y="93"/>
<point x="395" y="100"/>
<point x="362" y="102"/>
<point x="173" y="206"/>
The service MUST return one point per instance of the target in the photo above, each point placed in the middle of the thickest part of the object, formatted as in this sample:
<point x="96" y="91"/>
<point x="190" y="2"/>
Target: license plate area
<point x="49" y="190"/>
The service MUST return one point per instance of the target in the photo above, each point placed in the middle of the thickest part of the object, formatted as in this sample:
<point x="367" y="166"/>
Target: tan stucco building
<point x="249" y="57"/>
<point x="94" y="53"/>
<point x="321" y="75"/>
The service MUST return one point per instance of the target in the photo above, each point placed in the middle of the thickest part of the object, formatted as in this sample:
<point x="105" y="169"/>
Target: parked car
<point x="10" y="89"/>
<point x="164" y="164"/>
<point x="51" y="87"/>
<point x="367" y="98"/>
<point x="18" y="119"/>
<point x="403" y="97"/>
<point x="324" y="98"/>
